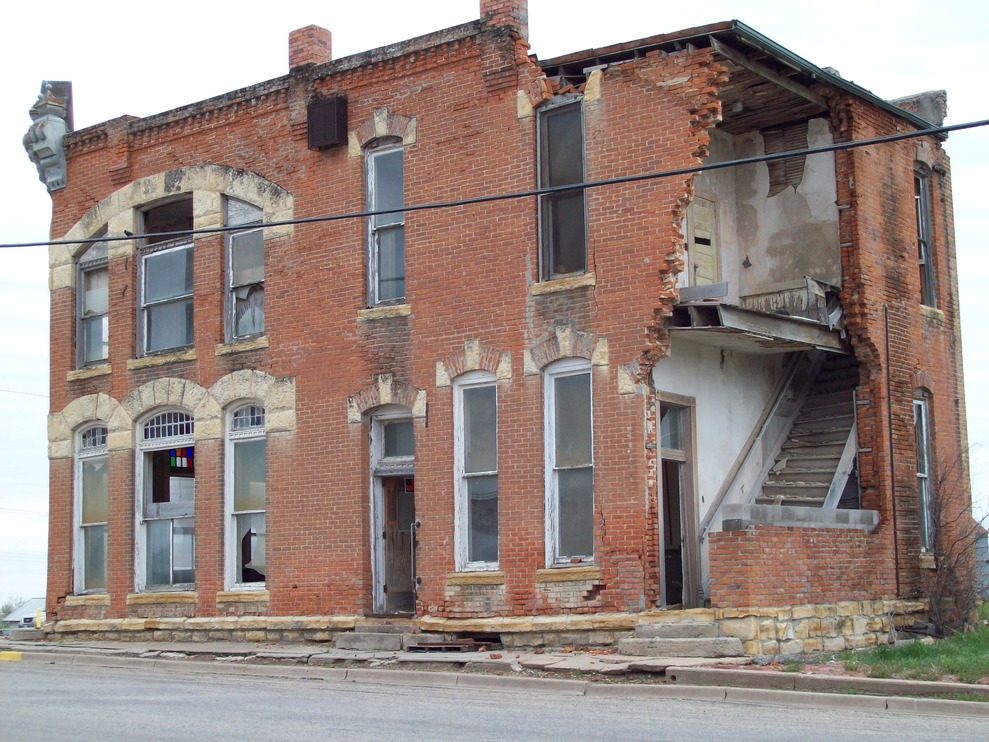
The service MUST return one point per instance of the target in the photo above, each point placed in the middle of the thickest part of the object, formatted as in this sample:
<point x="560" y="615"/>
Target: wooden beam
<point x="762" y="70"/>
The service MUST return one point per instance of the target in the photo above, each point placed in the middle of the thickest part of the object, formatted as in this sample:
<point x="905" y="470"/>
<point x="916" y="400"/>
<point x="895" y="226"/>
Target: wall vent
<point x="327" y="122"/>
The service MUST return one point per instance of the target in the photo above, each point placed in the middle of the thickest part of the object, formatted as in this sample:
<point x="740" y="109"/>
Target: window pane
<point x="480" y="430"/>
<point x="576" y="492"/>
<point x="95" y="557"/>
<point x="168" y="274"/>
<point x="169" y="325"/>
<point x="159" y="533"/>
<point x="249" y="472"/>
<point x="671" y="433"/>
<point x="388" y="185"/>
<point x="920" y="431"/>
<point x="563" y="149"/>
<point x="573" y="420"/>
<point x="249" y="310"/>
<point x="241" y="212"/>
<point x="398" y="439"/>
<point x="94" y="485"/>
<point x="563" y="217"/>
<point x="247" y="257"/>
<point x="94" y="292"/>
<point x="250" y="548"/>
<point x="391" y="263"/>
<point x="482" y="501"/>
<point x="182" y="550"/>
<point x="95" y="336"/>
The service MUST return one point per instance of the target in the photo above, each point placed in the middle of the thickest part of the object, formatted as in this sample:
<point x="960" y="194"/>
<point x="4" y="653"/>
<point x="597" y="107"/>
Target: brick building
<point x="552" y="417"/>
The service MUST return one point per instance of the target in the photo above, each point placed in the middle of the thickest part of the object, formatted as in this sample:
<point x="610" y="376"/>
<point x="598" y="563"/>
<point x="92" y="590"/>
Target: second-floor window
<point x="92" y="295"/>
<point x="166" y="278"/>
<point x="562" y="218"/>
<point x="245" y="271"/>
<point x="386" y="232"/>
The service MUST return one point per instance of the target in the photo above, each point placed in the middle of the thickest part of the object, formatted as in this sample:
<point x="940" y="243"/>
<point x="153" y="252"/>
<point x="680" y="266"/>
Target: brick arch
<point x="474" y="357"/>
<point x="565" y="342"/>
<point x="62" y="425"/>
<point x="383" y="124"/>
<point x="276" y="395"/>
<point x="276" y="202"/>
<point x="385" y="390"/>
<point x="172" y="392"/>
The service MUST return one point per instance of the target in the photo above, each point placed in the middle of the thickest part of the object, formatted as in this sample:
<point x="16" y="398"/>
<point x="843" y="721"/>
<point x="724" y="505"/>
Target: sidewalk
<point x="571" y="673"/>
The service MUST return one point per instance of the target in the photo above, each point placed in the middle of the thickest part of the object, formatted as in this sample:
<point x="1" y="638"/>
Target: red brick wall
<point x="775" y="565"/>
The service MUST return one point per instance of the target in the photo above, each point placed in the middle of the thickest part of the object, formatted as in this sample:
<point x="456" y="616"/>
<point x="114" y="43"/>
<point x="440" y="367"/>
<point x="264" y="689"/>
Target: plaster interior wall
<point x="785" y="237"/>
<point x="730" y="391"/>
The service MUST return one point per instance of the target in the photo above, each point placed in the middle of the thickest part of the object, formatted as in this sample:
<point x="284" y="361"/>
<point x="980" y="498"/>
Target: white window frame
<point x="145" y="446"/>
<point x="547" y="268"/>
<point x="184" y="243"/>
<point x="557" y="370"/>
<point x="925" y="247"/>
<point x="470" y="380"/>
<point x="375" y="151"/>
<point x="93" y="260"/>
<point x="251" y="432"/>
<point x="86" y="452"/>
<point x="250" y="228"/>
<point x="922" y="435"/>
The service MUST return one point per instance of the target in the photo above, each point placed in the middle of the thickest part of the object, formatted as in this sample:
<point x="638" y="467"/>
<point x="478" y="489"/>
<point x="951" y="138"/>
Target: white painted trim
<point x="78" y="540"/>
<point x="558" y="369"/>
<point x="229" y="520"/>
<point x="469" y="380"/>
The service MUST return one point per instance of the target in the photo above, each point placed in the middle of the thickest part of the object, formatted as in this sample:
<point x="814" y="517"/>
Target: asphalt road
<point x="58" y="702"/>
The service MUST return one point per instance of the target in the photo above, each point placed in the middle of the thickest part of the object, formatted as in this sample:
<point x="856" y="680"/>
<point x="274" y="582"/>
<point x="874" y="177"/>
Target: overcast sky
<point x="125" y="58"/>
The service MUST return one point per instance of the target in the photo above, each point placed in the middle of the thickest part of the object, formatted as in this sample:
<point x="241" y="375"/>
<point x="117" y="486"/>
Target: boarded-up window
<point x="789" y="171"/>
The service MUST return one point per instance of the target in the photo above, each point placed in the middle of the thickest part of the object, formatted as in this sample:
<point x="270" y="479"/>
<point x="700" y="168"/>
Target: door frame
<point x="381" y="468"/>
<point x="692" y="594"/>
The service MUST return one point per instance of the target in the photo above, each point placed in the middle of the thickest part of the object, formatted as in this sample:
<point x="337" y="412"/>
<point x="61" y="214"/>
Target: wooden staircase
<point x="812" y="466"/>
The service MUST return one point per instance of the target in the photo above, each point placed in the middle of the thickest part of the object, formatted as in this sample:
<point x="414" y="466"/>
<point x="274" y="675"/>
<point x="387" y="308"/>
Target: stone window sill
<point x="932" y="313"/>
<point x="89" y="372"/>
<point x="385" y="312"/>
<point x="243" y="595"/>
<point x="567" y="283"/>
<point x="99" y="599"/>
<point x="242" y="346"/>
<point x="162" y="359"/>
<point x="163" y="598"/>
<point x="568" y="574"/>
<point x="476" y="578"/>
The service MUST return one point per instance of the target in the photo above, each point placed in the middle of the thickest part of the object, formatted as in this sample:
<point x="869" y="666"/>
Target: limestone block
<point x="745" y="629"/>
<point x="833" y="643"/>
<point x="752" y="648"/>
<point x="799" y="612"/>
<point x="813" y="645"/>
<point x="770" y="647"/>
<point x="849" y="608"/>
<point x="592" y="88"/>
<point x="279" y="420"/>
<point x="792" y="646"/>
<point x="770" y="629"/>
<point x="827" y="610"/>
<point x="255" y="636"/>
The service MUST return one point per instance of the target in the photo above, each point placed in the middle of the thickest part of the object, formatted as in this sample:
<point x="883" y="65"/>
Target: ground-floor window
<point x="91" y="509"/>
<point x="246" y="467"/>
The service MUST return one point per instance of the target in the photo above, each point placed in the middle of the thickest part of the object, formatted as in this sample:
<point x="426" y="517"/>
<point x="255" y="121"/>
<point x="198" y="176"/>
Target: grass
<point x="964" y="656"/>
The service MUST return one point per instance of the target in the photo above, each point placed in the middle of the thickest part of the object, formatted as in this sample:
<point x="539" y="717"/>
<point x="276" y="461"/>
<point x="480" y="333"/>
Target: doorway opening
<point x="679" y="552"/>
<point x="393" y="514"/>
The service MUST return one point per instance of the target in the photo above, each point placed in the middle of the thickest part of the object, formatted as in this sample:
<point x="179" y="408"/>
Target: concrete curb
<point x="690" y="684"/>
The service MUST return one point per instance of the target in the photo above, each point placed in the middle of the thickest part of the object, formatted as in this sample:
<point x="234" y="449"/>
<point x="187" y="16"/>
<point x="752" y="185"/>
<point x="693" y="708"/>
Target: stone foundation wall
<point x="762" y="630"/>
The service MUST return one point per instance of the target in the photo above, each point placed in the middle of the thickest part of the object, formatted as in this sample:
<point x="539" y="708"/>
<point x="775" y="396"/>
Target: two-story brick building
<point x="489" y="344"/>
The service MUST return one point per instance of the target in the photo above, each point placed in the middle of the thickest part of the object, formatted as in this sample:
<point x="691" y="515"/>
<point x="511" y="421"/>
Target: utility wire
<point x="582" y="186"/>
<point x="26" y="394"/>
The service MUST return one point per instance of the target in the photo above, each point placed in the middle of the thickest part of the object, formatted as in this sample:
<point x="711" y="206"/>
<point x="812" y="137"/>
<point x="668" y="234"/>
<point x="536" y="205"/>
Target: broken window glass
<point x="93" y="302"/>
<point x="246" y="270"/>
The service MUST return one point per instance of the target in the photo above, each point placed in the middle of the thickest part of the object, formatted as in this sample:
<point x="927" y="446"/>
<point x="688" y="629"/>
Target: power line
<point x="26" y="394"/>
<point x="28" y="512"/>
<point x="585" y="185"/>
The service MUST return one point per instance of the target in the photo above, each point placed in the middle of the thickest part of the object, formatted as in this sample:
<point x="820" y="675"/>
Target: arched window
<point x="246" y="497"/>
<point x="167" y="499"/>
<point x="91" y="509"/>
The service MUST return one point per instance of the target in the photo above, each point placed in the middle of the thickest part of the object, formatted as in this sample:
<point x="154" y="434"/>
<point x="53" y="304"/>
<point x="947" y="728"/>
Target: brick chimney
<point x="511" y="13"/>
<point x="309" y="45"/>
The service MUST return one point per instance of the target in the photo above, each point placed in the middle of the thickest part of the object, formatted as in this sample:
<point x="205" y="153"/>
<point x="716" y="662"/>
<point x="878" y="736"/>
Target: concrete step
<point x="370" y="642"/>
<point x="722" y="646"/>
<point x="683" y="630"/>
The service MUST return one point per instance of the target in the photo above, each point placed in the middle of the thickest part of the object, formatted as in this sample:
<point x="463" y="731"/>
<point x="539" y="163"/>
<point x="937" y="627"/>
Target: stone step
<point x="682" y="630"/>
<point x="383" y="628"/>
<point x="722" y="646"/>
<point x="370" y="642"/>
